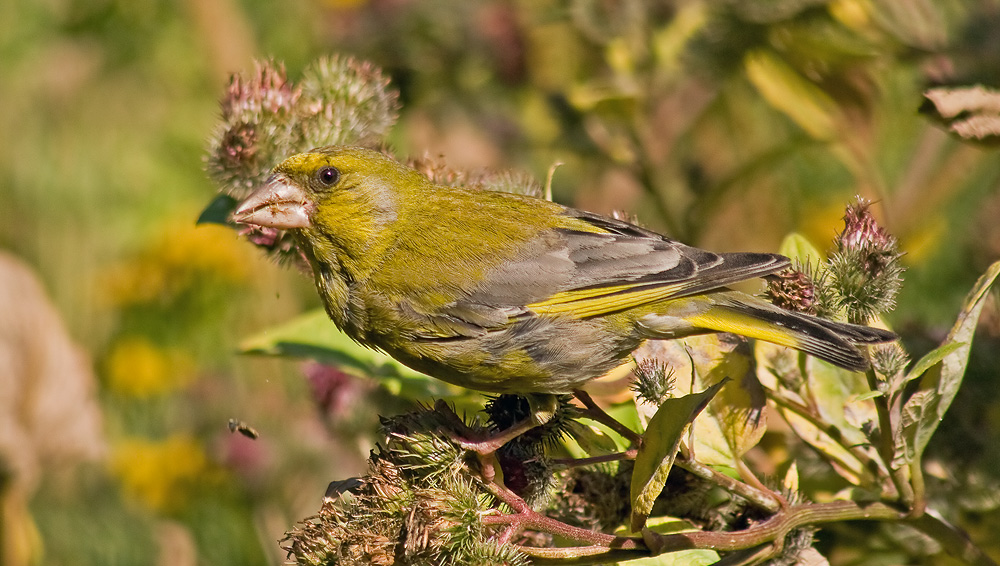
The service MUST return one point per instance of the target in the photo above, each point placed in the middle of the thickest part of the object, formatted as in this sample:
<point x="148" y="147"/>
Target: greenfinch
<point x="505" y="293"/>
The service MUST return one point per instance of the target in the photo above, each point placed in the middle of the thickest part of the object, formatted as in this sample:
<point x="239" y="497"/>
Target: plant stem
<point x="604" y="547"/>
<point x="759" y="498"/>
<point x="580" y="555"/>
<point x="525" y="517"/>
<point x="886" y="444"/>
<point x="577" y="462"/>
<point x="595" y="412"/>
<point x="919" y="493"/>
<point x="772" y="529"/>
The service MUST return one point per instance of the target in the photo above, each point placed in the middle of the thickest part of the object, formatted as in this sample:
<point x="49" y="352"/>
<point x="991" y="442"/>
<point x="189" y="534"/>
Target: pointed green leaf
<point x="940" y="382"/>
<point x="659" y="448"/>
<point x="312" y="335"/>
<point x="733" y="423"/>
<point x="930" y="359"/>
<point x="800" y="249"/>
<point x="218" y="211"/>
<point x="668" y="526"/>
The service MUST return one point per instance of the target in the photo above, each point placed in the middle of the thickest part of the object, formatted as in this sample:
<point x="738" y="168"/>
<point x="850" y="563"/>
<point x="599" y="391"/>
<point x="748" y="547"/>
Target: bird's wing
<point x="590" y="265"/>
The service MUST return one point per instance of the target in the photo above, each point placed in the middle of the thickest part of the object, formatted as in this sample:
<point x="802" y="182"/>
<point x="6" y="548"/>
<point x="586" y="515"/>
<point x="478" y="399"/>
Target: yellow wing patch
<point x="587" y="303"/>
<point x="729" y="320"/>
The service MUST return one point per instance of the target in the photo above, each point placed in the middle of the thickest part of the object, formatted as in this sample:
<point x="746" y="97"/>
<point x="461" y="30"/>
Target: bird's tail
<point x="834" y="342"/>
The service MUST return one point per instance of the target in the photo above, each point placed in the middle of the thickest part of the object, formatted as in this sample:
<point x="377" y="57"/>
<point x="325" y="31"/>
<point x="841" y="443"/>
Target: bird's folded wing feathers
<point x="592" y="265"/>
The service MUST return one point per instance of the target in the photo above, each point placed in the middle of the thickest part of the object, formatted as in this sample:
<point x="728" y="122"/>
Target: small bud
<point x="653" y="383"/>
<point x="889" y="360"/>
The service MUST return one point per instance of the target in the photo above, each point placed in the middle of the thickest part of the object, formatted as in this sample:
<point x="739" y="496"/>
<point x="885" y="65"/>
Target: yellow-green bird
<point x="506" y="293"/>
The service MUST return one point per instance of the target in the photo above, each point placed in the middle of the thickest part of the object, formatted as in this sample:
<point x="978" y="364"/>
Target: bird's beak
<point x="277" y="204"/>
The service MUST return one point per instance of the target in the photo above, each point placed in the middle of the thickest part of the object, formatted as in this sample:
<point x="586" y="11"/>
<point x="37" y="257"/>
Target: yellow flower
<point x="345" y="4"/>
<point x="183" y="256"/>
<point x="162" y="474"/>
<point x="138" y="368"/>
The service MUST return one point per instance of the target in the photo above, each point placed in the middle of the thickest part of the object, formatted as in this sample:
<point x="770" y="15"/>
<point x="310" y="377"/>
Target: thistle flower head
<point x="257" y="111"/>
<point x="861" y="228"/>
<point x="865" y="270"/>
<point x="345" y="102"/>
<point x="265" y="117"/>
<point x="265" y="90"/>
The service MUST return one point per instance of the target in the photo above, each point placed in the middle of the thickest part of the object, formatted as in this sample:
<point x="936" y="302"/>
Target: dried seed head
<point x="792" y="289"/>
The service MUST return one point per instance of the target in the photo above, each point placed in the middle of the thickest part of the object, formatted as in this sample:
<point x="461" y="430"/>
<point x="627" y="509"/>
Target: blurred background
<point x="725" y="124"/>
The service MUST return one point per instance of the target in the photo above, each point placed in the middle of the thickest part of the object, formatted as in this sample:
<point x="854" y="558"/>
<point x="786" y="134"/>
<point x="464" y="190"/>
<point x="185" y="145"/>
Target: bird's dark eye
<point x="328" y="176"/>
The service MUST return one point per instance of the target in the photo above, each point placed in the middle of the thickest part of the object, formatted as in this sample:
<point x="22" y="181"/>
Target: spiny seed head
<point x="438" y="171"/>
<point x="889" y="360"/>
<point x="345" y="101"/>
<point x="865" y="270"/>
<point x="654" y="381"/>
<point x="505" y="411"/>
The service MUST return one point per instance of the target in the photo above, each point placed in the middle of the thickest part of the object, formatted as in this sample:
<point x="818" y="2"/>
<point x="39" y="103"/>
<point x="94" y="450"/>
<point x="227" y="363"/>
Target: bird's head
<point x="307" y="188"/>
<point x="338" y="200"/>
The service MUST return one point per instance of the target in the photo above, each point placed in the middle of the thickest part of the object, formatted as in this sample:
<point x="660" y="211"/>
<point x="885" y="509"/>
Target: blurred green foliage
<point x="726" y="124"/>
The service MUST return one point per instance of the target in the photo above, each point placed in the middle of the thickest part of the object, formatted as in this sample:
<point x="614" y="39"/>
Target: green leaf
<point x="313" y="335"/>
<point x="733" y="423"/>
<point x="669" y="526"/>
<point x="839" y="398"/>
<point x="940" y="382"/>
<point x="800" y="249"/>
<point x="218" y="211"/>
<point x="930" y="359"/>
<point x="585" y="440"/>
<point x="842" y="399"/>
<point x="659" y="448"/>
